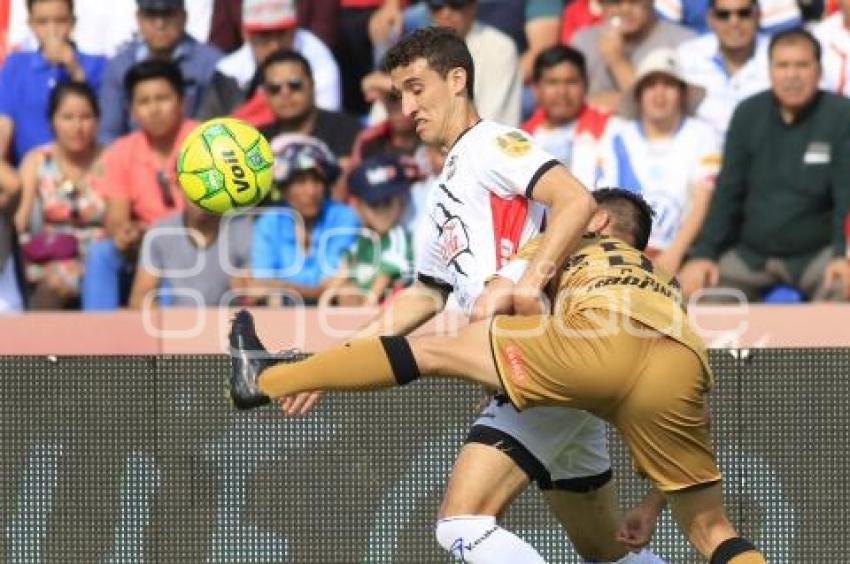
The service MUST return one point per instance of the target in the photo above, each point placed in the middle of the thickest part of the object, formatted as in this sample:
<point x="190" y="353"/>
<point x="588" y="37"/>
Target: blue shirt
<point x="26" y="81"/>
<point x="197" y="62"/>
<point x="275" y="252"/>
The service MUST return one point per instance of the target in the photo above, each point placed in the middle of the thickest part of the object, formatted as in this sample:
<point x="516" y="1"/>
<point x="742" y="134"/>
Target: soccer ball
<point x="223" y="164"/>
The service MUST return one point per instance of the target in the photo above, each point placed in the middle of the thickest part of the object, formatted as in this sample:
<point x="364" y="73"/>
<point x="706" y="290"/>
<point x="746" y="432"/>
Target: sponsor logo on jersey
<point x="513" y="143"/>
<point x="516" y="362"/>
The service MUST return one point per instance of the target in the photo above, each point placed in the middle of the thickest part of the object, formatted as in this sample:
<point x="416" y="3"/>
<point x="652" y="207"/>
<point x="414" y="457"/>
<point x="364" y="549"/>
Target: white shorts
<point x="557" y="447"/>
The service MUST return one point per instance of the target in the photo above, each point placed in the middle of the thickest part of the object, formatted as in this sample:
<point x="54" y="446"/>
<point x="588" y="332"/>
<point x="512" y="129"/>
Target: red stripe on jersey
<point x="508" y="216"/>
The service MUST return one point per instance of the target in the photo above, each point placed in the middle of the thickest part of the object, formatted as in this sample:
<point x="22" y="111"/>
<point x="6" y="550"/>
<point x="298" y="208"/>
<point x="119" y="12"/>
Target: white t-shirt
<point x="701" y="64"/>
<point x="241" y="66"/>
<point x="479" y="215"/>
<point x="835" y="57"/>
<point x="663" y="171"/>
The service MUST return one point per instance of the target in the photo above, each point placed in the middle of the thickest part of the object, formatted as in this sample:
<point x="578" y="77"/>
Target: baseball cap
<point x="268" y="15"/>
<point x="160" y="5"/>
<point x="659" y="61"/>
<point x="378" y="178"/>
<point x="294" y="153"/>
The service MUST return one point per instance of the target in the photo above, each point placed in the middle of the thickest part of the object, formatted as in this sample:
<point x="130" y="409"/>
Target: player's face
<point x="51" y="19"/>
<point x="156" y="107"/>
<point x="289" y="90"/>
<point x="735" y="22"/>
<point x="381" y="216"/>
<point x="794" y="74"/>
<point x="305" y="194"/>
<point x="633" y="15"/>
<point x="75" y="124"/>
<point x="661" y="98"/>
<point x="560" y="93"/>
<point x="429" y="99"/>
<point x="161" y="29"/>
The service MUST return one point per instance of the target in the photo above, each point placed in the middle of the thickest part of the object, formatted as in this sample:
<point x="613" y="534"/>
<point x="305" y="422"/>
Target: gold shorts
<point x="649" y="386"/>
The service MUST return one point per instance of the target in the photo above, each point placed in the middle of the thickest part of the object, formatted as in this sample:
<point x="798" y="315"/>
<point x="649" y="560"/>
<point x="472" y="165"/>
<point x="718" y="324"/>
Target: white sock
<point x="477" y="539"/>
<point x="645" y="556"/>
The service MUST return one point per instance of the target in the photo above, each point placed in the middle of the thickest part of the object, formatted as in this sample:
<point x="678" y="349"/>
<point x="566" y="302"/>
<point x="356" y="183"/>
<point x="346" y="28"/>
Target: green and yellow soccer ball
<point x="225" y="164"/>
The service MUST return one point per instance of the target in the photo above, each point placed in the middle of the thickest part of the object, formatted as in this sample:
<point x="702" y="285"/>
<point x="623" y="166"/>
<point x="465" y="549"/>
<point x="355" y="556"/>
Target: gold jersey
<point x="605" y="273"/>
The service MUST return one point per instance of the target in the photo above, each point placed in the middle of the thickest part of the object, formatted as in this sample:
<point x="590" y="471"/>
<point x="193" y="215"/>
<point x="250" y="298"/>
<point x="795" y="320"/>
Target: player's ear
<point x="457" y="78"/>
<point x="599" y="222"/>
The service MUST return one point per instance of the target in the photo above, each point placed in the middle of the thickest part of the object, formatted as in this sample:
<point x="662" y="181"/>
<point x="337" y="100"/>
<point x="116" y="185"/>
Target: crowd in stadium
<point x="729" y="116"/>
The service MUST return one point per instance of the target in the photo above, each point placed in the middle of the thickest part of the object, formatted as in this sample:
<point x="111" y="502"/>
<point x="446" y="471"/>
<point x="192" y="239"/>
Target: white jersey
<point x="479" y="212"/>
<point x="834" y="40"/>
<point x="663" y="171"/>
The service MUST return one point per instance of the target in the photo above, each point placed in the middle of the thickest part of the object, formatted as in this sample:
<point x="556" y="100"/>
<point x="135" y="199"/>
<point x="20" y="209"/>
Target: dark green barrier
<point x="140" y="459"/>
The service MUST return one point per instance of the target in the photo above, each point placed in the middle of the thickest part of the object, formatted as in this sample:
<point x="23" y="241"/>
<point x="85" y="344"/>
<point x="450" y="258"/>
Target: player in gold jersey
<point x="618" y="344"/>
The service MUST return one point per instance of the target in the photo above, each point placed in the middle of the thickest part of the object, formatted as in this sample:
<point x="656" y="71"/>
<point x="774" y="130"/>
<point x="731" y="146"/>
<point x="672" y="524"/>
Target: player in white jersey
<point x="484" y="207"/>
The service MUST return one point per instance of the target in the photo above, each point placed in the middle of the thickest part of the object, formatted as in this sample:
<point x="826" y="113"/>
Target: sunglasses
<point x="294" y="84"/>
<point x="742" y="13"/>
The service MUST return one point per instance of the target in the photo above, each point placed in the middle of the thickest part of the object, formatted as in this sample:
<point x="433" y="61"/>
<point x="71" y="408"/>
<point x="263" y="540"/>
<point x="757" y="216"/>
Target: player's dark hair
<point x="556" y="55"/>
<point x="632" y="214"/>
<point x="441" y="47"/>
<point x="794" y="35"/>
<point x="73" y="88"/>
<point x="31" y="3"/>
<point x="154" y="69"/>
<point x="286" y="56"/>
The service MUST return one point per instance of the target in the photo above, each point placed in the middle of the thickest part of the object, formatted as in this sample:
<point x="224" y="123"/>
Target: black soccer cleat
<point x="248" y="358"/>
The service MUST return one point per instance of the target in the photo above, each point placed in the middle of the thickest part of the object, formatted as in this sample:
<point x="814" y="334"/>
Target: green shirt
<point x="783" y="189"/>
<point x="370" y="256"/>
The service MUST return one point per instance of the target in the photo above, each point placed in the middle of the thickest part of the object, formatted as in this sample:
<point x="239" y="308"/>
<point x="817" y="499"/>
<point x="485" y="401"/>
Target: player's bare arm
<point x="570" y="208"/>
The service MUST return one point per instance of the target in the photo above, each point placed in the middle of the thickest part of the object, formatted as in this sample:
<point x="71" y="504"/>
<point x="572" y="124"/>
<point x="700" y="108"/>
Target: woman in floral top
<point x="60" y="214"/>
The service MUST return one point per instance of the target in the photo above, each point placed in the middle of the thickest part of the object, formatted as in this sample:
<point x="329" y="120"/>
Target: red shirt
<point x="576" y="15"/>
<point x="131" y="171"/>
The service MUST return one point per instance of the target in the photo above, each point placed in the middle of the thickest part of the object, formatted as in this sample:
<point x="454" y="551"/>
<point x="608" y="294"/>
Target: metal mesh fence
<point x="141" y="459"/>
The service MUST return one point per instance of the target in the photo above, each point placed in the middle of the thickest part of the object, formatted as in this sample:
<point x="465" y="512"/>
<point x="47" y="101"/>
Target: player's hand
<point x="637" y="527"/>
<point x="837" y="275"/>
<point x="529" y="300"/>
<point x="299" y="404"/>
<point x="496" y="299"/>
<point x="698" y="274"/>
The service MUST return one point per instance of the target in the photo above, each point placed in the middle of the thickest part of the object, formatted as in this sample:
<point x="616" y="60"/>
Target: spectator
<point x="27" y="77"/>
<point x="396" y="135"/>
<point x="11" y="297"/>
<point x="354" y="50"/>
<point x="380" y="261"/>
<point x="138" y="179"/>
<point x="778" y="210"/>
<point x="497" y="84"/>
<point x="668" y="157"/>
<point x="297" y="248"/>
<point x="613" y="48"/>
<point x="730" y="63"/>
<point x="61" y="214"/>
<point x="226" y="25"/>
<point x="185" y="263"/>
<point x="269" y="26"/>
<point x="162" y="24"/>
<point x="834" y="36"/>
<point x="288" y="84"/>
<point x="416" y="208"/>
<point x="777" y="15"/>
<point x="565" y="124"/>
